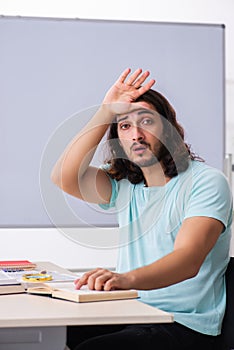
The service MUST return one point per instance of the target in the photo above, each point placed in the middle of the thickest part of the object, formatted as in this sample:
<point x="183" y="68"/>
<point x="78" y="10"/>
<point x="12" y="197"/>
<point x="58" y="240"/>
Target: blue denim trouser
<point x="168" y="336"/>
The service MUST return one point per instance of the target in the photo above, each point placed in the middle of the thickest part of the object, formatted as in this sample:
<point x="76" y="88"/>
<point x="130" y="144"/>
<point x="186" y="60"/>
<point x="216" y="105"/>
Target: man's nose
<point x="137" y="134"/>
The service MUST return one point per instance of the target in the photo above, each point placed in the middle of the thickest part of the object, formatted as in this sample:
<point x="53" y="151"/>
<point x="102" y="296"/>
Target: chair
<point x="227" y="334"/>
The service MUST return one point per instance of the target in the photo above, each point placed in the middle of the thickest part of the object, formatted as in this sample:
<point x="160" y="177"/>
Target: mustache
<point x="135" y="144"/>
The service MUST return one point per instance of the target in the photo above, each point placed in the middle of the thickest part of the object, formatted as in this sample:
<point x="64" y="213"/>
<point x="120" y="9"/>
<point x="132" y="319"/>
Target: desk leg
<point x="33" y="338"/>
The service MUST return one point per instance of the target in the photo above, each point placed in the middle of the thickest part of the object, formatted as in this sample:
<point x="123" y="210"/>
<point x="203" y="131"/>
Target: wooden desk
<point x="30" y="319"/>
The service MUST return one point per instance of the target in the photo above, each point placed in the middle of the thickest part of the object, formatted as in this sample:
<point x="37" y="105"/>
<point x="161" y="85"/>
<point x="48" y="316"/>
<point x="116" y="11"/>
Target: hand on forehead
<point x="136" y="107"/>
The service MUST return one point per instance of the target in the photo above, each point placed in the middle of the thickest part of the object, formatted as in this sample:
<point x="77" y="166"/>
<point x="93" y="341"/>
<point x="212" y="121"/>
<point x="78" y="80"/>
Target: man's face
<point x="139" y="132"/>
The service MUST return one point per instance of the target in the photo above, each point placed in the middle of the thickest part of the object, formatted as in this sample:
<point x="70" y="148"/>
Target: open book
<point x="9" y="285"/>
<point x="67" y="291"/>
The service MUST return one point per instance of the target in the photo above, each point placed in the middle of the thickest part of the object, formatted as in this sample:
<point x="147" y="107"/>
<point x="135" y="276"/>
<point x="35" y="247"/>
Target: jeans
<point x="168" y="336"/>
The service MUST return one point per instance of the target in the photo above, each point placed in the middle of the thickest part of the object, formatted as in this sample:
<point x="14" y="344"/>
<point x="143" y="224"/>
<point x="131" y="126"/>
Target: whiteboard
<point x="54" y="73"/>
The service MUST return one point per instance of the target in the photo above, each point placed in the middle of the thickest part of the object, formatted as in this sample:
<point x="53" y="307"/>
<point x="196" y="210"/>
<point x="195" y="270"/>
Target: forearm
<point x="76" y="158"/>
<point x="172" y="268"/>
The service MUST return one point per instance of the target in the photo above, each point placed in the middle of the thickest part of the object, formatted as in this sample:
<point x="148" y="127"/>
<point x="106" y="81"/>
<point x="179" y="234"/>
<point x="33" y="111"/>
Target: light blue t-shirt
<point x="149" y="220"/>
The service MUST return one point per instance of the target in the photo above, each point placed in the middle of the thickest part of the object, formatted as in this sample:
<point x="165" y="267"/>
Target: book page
<point x="49" y="286"/>
<point x="38" y="288"/>
<point x="6" y="279"/>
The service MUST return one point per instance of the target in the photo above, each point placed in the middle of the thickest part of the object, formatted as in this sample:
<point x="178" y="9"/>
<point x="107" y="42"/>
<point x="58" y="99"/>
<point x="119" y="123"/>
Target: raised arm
<point x="72" y="172"/>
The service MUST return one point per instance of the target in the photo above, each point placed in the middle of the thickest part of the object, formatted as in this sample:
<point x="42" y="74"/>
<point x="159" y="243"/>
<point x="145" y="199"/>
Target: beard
<point x="144" y="163"/>
<point x="157" y="155"/>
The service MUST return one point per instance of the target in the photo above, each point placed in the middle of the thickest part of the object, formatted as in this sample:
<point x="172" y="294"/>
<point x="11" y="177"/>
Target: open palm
<point x="128" y="88"/>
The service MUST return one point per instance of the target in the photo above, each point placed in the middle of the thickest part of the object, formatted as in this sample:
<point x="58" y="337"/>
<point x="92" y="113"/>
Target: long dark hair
<point x="175" y="153"/>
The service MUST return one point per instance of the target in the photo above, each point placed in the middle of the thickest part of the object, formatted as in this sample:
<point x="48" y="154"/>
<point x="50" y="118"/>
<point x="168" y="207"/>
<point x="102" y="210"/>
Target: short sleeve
<point x="114" y="194"/>
<point x="210" y="196"/>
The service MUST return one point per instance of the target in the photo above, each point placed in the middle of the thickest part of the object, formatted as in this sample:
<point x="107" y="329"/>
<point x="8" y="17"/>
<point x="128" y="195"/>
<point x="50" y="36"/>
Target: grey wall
<point x="53" y="74"/>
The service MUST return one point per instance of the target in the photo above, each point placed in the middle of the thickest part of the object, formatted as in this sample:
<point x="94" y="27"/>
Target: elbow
<point x="63" y="181"/>
<point x="59" y="179"/>
<point x="55" y="178"/>
<point x="193" y="273"/>
<point x="194" y="270"/>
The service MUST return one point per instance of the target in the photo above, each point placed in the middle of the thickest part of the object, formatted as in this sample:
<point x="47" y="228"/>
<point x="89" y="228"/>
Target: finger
<point x="83" y="280"/>
<point x="146" y="87"/>
<point x="97" y="279"/>
<point x="110" y="285"/>
<point x="141" y="79"/>
<point x="134" y="76"/>
<point x="101" y="281"/>
<point x="124" y="75"/>
<point x="79" y="282"/>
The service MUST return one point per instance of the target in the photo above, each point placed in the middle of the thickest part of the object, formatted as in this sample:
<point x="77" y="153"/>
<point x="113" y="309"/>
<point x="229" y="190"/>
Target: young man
<point x="174" y="214"/>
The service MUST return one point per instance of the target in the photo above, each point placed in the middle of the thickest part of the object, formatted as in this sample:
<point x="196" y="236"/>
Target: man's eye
<point x="147" y="121"/>
<point x="124" y="126"/>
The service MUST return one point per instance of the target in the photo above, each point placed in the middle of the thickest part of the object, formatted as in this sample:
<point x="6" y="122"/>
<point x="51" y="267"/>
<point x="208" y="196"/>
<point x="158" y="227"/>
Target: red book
<point x="17" y="265"/>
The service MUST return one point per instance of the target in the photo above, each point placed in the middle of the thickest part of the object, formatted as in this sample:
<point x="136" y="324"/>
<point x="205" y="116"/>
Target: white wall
<point x="55" y="246"/>
<point x="44" y="245"/>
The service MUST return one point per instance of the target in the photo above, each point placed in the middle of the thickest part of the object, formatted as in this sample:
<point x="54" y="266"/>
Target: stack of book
<point x="8" y="283"/>
<point x="16" y="265"/>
